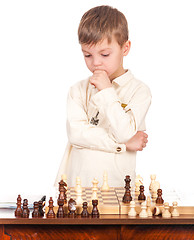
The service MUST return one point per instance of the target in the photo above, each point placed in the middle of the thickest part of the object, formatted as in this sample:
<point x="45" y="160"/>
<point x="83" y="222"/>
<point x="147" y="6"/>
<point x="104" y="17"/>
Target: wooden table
<point x="103" y="228"/>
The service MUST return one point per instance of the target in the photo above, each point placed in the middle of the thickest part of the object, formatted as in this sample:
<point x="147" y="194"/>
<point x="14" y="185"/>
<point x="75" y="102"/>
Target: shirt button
<point x="118" y="149"/>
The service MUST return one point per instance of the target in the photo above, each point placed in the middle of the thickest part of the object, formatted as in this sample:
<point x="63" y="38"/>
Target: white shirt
<point x="99" y="123"/>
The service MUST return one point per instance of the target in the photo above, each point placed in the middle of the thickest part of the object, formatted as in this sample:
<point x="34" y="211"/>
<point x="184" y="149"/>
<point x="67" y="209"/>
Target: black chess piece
<point x="18" y="211"/>
<point x="36" y="213"/>
<point x="62" y="191"/>
<point x="95" y="212"/>
<point x="141" y="195"/>
<point x="159" y="199"/>
<point x="40" y="208"/>
<point x="60" y="212"/>
<point x="26" y="211"/>
<point x="127" y="196"/>
<point x="85" y="213"/>
<point x="50" y="213"/>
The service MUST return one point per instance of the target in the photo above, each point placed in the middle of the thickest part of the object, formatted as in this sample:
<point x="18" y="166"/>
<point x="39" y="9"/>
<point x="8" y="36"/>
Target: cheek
<point x="88" y="63"/>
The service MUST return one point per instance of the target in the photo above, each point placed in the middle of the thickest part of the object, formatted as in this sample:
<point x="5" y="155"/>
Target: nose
<point x="96" y="62"/>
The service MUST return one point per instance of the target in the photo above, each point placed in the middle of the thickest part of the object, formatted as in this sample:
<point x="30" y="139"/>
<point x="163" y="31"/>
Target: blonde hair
<point x="103" y="22"/>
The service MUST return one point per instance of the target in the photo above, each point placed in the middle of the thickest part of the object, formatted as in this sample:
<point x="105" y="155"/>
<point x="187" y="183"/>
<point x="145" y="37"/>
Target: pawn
<point x="132" y="212"/>
<point x="165" y="212"/>
<point x="95" y="212"/>
<point x="18" y="211"/>
<point x="138" y="182"/>
<point x="175" y="212"/>
<point x="143" y="213"/>
<point x="141" y="195"/>
<point x="50" y="213"/>
<point x="60" y="212"/>
<point x="26" y="211"/>
<point x="85" y="213"/>
<point x="36" y="213"/>
<point x="159" y="199"/>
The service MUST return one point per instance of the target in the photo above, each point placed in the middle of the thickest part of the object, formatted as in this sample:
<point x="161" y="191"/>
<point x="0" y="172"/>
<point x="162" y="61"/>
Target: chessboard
<point x="110" y="202"/>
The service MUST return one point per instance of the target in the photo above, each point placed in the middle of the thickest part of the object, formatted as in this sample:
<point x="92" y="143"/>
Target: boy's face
<point x="106" y="56"/>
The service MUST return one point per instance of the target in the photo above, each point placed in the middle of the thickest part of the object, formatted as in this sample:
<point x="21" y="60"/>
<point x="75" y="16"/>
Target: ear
<point x="126" y="48"/>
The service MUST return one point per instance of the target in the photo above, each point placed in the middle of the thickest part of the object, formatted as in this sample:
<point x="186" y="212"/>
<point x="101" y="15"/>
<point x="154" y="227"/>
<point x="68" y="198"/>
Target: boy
<point x="106" y="112"/>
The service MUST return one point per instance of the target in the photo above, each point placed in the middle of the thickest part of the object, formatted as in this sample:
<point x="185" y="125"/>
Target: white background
<point x="40" y="59"/>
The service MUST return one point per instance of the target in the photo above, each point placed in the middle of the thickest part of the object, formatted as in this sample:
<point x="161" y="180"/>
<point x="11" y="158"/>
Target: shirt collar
<point x="123" y="79"/>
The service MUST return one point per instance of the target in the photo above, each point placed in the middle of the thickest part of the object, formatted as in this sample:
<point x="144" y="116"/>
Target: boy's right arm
<point x="82" y="134"/>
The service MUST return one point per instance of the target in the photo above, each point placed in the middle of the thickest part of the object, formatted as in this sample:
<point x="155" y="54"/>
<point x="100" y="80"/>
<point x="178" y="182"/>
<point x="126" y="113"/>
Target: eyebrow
<point x="105" y="49"/>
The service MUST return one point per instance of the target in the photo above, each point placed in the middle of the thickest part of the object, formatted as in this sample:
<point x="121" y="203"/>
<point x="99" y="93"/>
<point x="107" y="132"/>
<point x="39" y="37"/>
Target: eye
<point x="87" y="55"/>
<point x="105" y="55"/>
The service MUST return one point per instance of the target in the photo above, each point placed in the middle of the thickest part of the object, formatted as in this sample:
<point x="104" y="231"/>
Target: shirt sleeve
<point x="124" y="122"/>
<point x="81" y="133"/>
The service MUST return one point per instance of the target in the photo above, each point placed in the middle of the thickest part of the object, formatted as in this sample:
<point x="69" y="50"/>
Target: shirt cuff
<point x="120" y="148"/>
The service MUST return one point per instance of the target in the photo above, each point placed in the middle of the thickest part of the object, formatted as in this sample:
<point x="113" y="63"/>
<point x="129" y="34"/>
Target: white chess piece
<point x="78" y="186"/>
<point x="165" y="212"/>
<point x="79" y="199"/>
<point x="94" y="189"/>
<point x="149" y="211"/>
<point x="64" y="177"/>
<point x="153" y="178"/>
<point x="105" y="186"/>
<point x="143" y="213"/>
<point x="132" y="212"/>
<point x="175" y="212"/>
<point x="155" y="187"/>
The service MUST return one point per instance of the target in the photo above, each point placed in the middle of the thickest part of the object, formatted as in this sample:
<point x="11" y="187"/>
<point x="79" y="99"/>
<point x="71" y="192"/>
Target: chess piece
<point x="127" y="196"/>
<point x="165" y="212"/>
<point x="132" y="212"/>
<point x="149" y="211"/>
<point x="64" y="177"/>
<point x="26" y="211"/>
<point x="78" y="187"/>
<point x="159" y="199"/>
<point x="18" y="211"/>
<point x="157" y="210"/>
<point x="94" y="189"/>
<point x="138" y="182"/>
<point x="50" y="213"/>
<point x="71" y="208"/>
<point x="60" y="212"/>
<point x="95" y="212"/>
<point x="40" y="207"/>
<point x="85" y="213"/>
<point x="36" y="213"/>
<point x="155" y="187"/>
<point x="143" y="213"/>
<point x="105" y="186"/>
<point x="79" y="199"/>
<point x="175" y="212"/>
<point x="153" y="178"/>
<point x="141" y="195"/>
<point x="62" y="190"/>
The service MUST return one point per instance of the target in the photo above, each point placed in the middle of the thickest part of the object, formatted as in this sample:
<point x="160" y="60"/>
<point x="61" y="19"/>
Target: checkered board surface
<point x="107" y="201"/>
